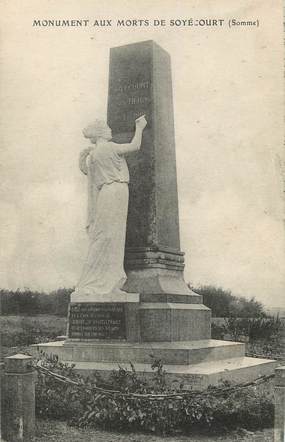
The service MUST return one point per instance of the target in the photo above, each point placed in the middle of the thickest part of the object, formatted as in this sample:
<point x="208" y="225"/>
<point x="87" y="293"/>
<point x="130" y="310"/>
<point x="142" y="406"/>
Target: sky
<point x="228" y="108"/>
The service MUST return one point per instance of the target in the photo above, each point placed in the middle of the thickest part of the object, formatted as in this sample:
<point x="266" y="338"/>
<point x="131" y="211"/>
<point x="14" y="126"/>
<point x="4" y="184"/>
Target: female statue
<point x="108" y="194"/>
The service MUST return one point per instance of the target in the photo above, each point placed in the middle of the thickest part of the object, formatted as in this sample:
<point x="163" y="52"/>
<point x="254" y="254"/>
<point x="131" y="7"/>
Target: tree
<point x="224" y="304"/>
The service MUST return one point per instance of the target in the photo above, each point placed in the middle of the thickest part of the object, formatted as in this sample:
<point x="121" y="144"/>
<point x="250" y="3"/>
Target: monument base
<point x="197" y="364"/>
<point x="125" y="328"/>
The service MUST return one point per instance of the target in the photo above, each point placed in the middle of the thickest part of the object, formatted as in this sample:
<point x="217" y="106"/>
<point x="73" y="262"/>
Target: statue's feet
<point x="119" y="291"/>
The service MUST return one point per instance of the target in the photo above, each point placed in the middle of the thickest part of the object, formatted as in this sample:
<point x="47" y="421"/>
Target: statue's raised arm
<point x="135" y="144"/>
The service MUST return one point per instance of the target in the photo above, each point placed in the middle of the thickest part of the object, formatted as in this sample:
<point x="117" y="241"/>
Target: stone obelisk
<point x="140" y="83"/>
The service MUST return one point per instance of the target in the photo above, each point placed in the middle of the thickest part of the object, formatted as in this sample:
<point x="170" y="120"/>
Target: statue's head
<point x="97" y="129"/>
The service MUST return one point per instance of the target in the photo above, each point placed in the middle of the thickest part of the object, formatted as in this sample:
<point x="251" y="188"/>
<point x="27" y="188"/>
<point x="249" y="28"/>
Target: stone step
<point x="177" y="353"/>
<point x="197" y="376"/>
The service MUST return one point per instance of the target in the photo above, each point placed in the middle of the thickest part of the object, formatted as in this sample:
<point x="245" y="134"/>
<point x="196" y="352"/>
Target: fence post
<point x="18" y="412"/>
<point x="279" y="424"/>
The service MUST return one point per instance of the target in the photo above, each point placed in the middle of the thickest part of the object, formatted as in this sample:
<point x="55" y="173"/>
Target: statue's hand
<point x="141" y="122"/>
<point x="85" y="152"/>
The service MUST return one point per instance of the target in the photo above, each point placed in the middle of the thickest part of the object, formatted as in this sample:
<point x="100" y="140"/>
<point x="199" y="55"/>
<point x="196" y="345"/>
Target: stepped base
<point x="194" y="377"/>
<point x="197" y="364"/>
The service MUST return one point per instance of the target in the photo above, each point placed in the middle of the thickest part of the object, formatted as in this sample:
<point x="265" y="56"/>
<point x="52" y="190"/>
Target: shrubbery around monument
<point x="250" y="408"/>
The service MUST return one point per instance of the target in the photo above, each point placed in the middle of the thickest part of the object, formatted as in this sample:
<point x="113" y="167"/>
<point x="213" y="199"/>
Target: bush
<point x="271" y="349"/>
<point x="248" y="408"/>
<point x="224" y="304"/>
<point x="54" y="399"/>
<point x="218" y="331"/>
<point x="254" y="328"/>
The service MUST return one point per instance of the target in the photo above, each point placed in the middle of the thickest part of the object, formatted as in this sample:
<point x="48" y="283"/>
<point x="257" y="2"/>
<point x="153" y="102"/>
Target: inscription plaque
<point x="97" y="321"/>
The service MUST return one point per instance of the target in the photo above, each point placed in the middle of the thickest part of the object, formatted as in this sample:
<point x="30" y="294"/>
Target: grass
<point x="21" y="331"/>
<point x="54" y="431"/>
<point x="47" y="324"/>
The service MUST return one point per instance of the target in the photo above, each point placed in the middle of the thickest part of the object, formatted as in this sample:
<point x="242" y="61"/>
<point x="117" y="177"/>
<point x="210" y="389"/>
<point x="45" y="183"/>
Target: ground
<point x="53" y="431"/>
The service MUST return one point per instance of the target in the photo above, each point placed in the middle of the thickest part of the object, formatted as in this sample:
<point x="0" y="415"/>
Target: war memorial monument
<point x="131" y="302"/>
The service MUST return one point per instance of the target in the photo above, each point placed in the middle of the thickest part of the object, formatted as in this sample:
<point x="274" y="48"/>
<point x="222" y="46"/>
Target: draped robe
<point x="108" y="195"/>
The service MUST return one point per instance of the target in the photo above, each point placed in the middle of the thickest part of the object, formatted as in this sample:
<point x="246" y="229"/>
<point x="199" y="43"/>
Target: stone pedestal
<point x="159" y="315"/>
<point x="18" y="401"/>
<point x="279" y="392"/>
<point x="138" y="321"/>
